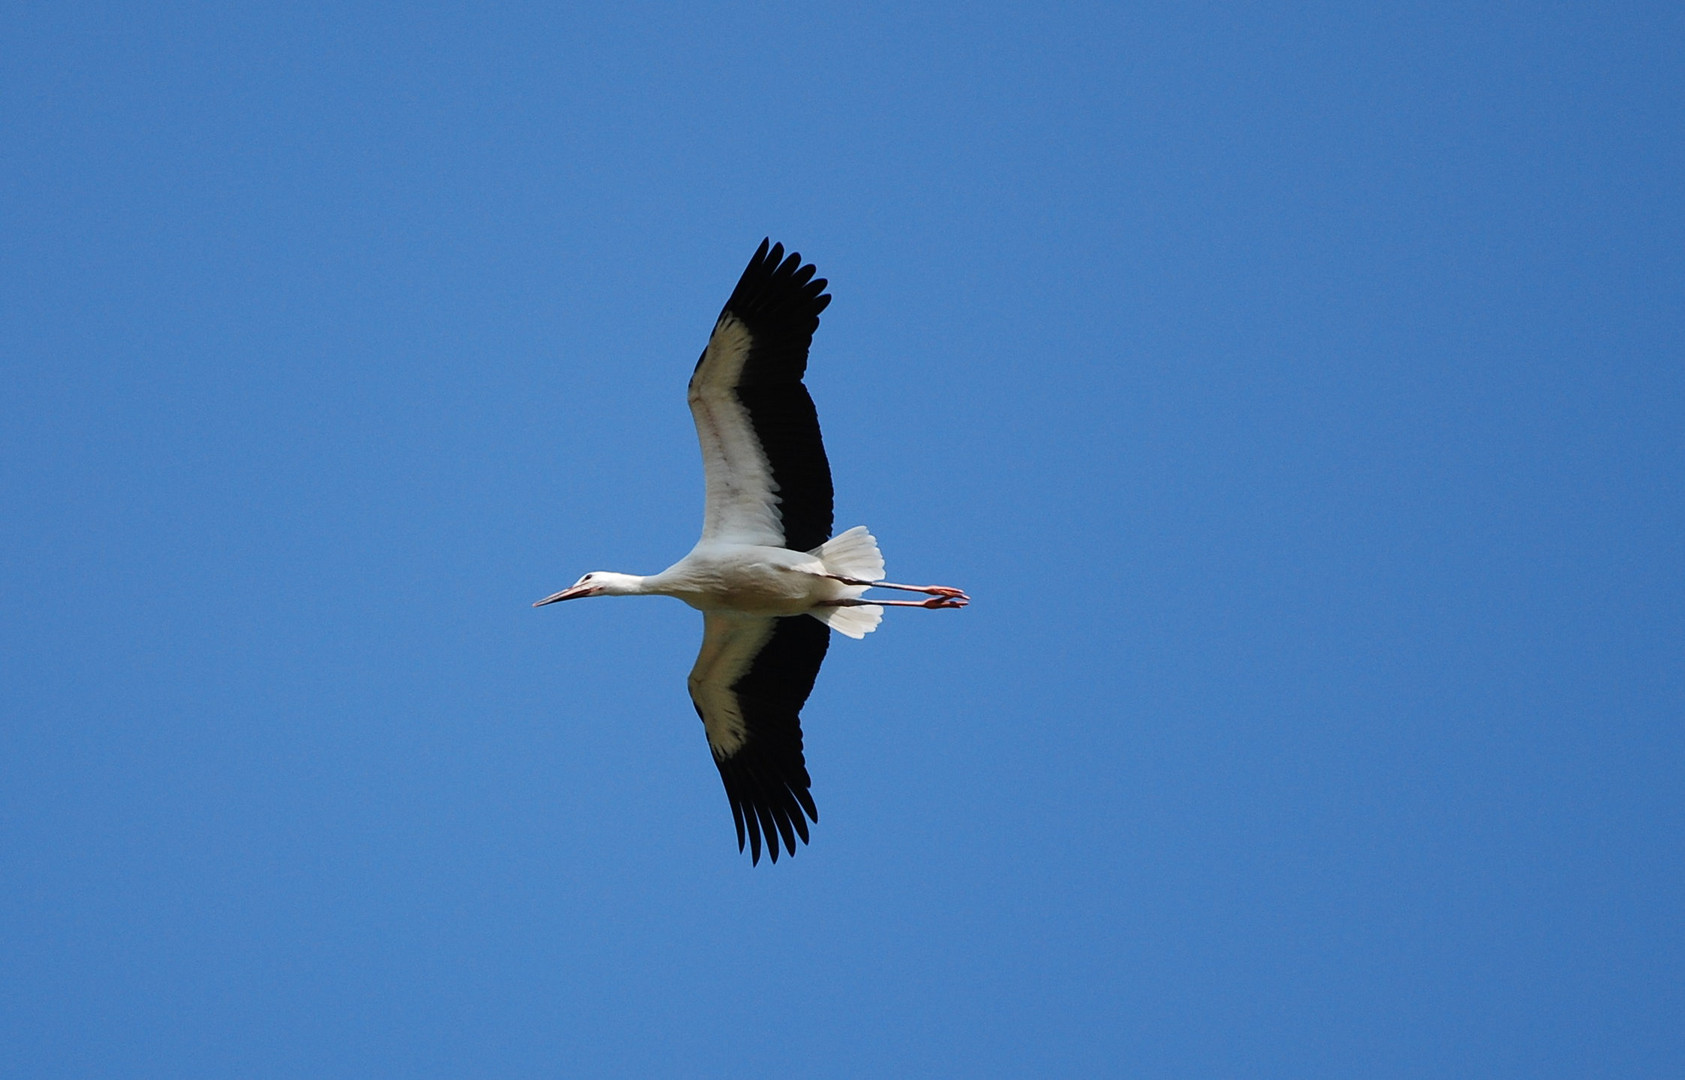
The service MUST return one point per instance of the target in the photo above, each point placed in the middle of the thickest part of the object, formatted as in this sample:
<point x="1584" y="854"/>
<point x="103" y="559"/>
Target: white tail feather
<point x="856" y="622"/>
<point x="853" y="554"/>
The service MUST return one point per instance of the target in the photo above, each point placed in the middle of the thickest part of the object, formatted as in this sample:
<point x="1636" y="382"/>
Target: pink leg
<point x="933" y="603"/>
<point x="933" y="590"/>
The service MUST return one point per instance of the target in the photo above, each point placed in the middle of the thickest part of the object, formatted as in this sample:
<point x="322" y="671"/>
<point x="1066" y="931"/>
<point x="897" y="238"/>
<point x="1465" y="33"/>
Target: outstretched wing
<point x="749" y="684"/>
<point x="768" y="480"/>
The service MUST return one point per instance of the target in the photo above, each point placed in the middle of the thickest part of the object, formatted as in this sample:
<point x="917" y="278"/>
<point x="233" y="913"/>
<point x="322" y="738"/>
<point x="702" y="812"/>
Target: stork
<point x="770" y="580"/>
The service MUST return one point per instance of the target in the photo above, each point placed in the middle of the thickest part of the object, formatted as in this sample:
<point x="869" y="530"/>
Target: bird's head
<point x="596" y="583"/>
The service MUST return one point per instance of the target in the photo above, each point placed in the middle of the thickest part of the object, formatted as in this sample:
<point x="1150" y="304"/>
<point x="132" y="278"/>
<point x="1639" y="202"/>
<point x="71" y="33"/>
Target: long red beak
<point x="566" y="594"/>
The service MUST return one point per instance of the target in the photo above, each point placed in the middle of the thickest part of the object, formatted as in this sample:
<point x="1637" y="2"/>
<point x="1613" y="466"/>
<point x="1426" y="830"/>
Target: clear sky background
<point x="1298" y="390"/>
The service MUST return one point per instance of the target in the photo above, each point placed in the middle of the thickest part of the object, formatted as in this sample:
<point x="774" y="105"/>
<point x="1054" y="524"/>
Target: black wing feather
<point x="778" y="300"/>
<point x="766" y="780"/>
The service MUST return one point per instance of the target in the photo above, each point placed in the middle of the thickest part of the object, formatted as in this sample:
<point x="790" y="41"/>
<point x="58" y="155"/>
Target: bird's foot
<point x="943" y="590"/>
<point x="958" y="601"/>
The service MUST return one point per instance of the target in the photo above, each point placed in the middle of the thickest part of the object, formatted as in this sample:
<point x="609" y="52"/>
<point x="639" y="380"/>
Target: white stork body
<point x="753" y="580"/>
<point x="744" y="579"/>
<point x="764" y="563"/>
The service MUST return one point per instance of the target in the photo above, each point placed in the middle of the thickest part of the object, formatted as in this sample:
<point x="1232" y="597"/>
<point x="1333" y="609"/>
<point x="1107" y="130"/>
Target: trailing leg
<point x="933" y="590"/>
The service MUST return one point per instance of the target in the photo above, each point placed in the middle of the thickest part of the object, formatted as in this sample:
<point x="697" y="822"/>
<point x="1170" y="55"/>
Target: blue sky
<point x="1296" y="389"/>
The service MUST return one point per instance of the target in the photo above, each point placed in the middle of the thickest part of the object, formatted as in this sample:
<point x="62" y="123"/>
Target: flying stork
<point x="769" y="578"/>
